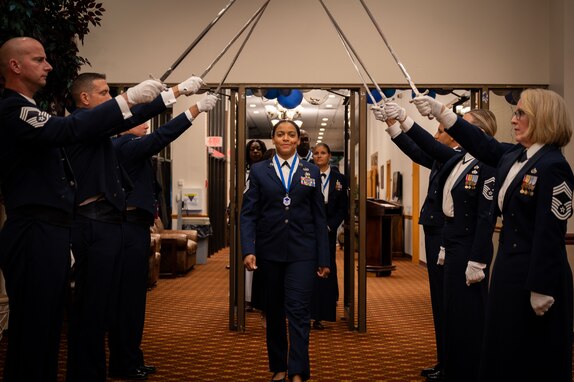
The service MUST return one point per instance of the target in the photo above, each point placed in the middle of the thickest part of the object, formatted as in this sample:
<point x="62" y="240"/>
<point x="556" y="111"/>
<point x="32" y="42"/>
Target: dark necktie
<point x="323" y="176"/>
<point x="286" y="164"/>
<point x="522" y="156"/>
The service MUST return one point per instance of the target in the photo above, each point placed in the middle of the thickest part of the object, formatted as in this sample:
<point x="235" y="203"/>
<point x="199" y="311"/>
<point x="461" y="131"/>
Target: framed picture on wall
<point x="192" y="199"/>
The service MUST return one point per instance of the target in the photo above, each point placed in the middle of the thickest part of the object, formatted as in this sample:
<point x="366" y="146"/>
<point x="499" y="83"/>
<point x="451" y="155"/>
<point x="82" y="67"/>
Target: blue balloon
<point x="292" y="100"/>
<point x="376" y="95"/>
<point x="271" y="93"/>
<point x="389" y="92"/>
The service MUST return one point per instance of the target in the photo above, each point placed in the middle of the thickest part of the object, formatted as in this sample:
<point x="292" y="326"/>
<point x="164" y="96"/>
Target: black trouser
<point x="35" y="260"/>
<point x="127" y="326"/>
<point x="433" y="240"/>
<point x="97" y="248"/>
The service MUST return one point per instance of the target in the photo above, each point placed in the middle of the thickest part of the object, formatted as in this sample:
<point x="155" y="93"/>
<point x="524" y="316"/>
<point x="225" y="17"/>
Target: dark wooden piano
<point x="384" y="235"/>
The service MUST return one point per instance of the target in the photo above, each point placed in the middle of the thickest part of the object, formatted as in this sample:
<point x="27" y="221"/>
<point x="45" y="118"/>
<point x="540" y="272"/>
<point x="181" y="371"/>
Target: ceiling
<point x="319" y="109"/>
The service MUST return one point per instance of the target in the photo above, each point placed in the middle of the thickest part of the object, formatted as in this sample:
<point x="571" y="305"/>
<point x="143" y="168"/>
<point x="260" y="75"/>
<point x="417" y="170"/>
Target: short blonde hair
<point x="548" y="119"/>
<point x="485" y="120"/>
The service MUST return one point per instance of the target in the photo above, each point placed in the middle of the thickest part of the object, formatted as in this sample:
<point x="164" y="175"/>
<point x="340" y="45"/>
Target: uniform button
<point x="466" y="229"/>
<point x="286" y="221"/>
<point x="123" y="189"/>
<point x="63" y="178"/>
<point x="466" y="215"/>
<point x="115" y="194"/>
<point x="286" y="208"/>
<point x="62" y="196"/>
<point x="72" y="183"/>
<point x="514" y="245"/>
<point x="117" y="180"/>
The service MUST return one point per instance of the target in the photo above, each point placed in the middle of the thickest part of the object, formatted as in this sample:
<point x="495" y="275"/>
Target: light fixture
<point x="322" y="129"/>
<point x="328" y="105"/>
<point x="323" y="124"/>
<point x="252" y="105"/>
<point x="321" y="133"/>
<point x="324" y="119"/>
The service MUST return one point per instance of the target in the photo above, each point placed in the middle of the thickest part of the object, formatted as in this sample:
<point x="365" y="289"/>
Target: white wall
<point x="439" y="41"/>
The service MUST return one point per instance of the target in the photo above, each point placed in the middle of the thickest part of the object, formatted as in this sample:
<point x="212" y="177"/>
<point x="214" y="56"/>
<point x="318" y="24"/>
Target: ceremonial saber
<point x="401" y="66"/>
<point x="195" y="42"/>
<point x="208" y="69"/>
<point x="358" y="71"/>
<point x="260" y="13"/>
<point x="348" y="46"/>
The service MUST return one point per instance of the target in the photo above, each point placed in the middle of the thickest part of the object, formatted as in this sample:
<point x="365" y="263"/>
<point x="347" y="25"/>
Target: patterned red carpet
<point x="188" y="339"/>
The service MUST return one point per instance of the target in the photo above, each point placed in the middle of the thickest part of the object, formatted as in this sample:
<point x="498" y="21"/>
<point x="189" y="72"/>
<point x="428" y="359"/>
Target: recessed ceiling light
<point x="321" y="133"/>
<point x="319" y="141"/>
<point x="331" y="96"/>
<point x="252" y="105"/>
<point x="322" y="129"/>
<point x="323" y="124"/>
<point x="255" y="111"/>
<point x="324" y="119"/>
<point x="329" y="105"/>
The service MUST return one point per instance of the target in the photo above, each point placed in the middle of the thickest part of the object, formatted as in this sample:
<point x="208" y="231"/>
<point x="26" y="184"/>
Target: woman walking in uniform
<point x="334" y="188"/>
<point x="284" y="234"/>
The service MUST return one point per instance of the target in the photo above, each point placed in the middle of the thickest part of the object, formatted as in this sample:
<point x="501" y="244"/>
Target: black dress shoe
<point x="133" y="375"/>
<point x="436" y="377"/>
<point x="430" y="370"/>
<point x="149" y="369"/>
<point x="318" y="325"/>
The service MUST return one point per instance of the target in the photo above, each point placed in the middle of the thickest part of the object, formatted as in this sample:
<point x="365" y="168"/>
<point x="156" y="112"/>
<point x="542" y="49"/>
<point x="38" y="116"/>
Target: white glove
<point x="394" y="111"/>
<point x="394" y="130"/>
<point x="379" y="113"/>
<point x="207" y="103"/>
<point x="429" y="107"/>
<point x="540" y="303"/>
<point x="441" y="256"/>
<point x="474" y="272"/>
<point x="190" y="86"/>
<point x="145" y="91"/>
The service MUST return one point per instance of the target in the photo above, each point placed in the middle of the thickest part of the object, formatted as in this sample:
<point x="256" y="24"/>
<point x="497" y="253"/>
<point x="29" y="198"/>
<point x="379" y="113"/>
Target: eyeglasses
<point x="518" y="114"/>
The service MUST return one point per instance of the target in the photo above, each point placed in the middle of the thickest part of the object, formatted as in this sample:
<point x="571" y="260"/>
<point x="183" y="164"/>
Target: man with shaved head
<point x="39" y="190"/>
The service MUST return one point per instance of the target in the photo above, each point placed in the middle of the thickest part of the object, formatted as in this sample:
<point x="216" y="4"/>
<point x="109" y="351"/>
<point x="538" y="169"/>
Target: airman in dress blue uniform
<point x="39" y="191"/>
<point x="336" y="193"/>
<point x="284" y="233"/>
<point x="134" y="149"/>
<point x="466" y="186"/>
<point x="97" y="233"/>
<point x="431" y="218"/>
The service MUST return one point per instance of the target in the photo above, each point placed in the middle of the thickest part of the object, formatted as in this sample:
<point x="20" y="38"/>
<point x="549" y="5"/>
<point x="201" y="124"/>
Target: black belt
<point x="100" y="210"/>
<point x="48" y="214"/>
<point x="139" y="217"/>
<point x="448" y="219"/>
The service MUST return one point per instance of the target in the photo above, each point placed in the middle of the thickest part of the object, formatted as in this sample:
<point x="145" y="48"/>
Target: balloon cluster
<point x="288" y="98"/>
